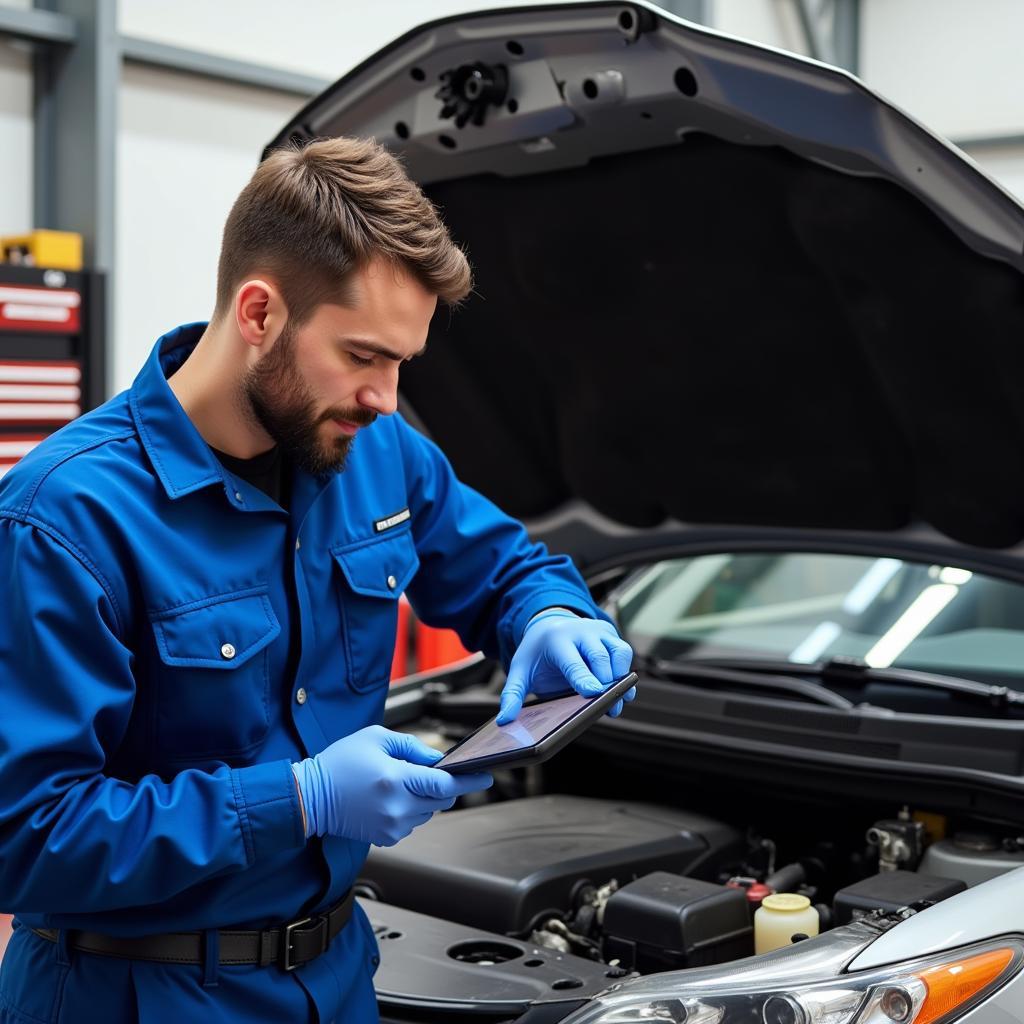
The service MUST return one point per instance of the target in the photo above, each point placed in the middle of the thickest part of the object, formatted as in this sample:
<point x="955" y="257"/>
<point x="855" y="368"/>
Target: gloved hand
<point x="376" y="786"/>
<point x="561" y="650"/>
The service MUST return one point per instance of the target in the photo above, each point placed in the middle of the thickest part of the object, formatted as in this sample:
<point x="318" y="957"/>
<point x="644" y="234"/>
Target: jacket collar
<point x="183" y="461"/>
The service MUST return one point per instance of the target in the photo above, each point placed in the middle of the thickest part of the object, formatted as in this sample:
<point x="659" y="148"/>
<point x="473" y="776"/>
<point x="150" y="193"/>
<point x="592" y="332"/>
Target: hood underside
<point x="717" y="285"/>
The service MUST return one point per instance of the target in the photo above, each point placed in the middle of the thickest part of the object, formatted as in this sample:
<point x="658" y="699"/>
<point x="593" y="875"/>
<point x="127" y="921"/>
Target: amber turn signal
<point x="951" y="985"/>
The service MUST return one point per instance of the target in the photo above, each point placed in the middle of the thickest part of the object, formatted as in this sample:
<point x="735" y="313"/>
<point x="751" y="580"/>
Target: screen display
<point x="534" y="723"/>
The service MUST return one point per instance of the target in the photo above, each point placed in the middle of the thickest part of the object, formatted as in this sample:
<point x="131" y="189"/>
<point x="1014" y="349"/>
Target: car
<point x="746" y="342"/>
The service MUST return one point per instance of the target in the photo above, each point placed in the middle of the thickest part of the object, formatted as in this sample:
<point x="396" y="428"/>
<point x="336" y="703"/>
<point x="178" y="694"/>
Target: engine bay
<point x="664" y="841"/>
<point x="541" y="899"/>
<point x="601" y="879"/>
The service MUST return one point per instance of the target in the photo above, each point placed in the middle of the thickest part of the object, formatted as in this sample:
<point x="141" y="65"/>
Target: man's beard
<point x="281" y="402"/>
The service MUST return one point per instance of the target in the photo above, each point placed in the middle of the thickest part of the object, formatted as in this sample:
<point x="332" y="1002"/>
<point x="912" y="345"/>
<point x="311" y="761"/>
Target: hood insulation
<point x="726" y="334"/>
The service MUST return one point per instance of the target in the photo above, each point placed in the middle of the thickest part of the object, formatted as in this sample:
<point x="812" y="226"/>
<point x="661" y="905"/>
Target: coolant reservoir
<point x="780" y="917"/>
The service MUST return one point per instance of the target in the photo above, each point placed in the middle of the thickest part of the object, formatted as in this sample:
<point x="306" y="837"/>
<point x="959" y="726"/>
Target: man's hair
<point x="310" y="216"/>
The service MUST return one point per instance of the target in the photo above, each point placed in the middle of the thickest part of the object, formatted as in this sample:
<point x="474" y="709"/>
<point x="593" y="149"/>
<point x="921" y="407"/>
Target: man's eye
<point x="360" y="360"/>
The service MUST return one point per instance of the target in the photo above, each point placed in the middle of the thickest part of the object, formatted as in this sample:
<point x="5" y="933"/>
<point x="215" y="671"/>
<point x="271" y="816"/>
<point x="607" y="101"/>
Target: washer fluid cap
<point x="786" y="901"/>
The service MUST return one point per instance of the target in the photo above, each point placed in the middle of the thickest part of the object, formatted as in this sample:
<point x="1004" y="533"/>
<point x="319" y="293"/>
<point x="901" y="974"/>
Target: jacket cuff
<point x="267" y="802"/>
<point x="556" y="610"/>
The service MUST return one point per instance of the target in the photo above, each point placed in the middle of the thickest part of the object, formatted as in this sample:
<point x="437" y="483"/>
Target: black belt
<point x="289" y="945"/>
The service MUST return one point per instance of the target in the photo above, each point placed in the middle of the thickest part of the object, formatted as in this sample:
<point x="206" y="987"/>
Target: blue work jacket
<point x="149" y="720"/>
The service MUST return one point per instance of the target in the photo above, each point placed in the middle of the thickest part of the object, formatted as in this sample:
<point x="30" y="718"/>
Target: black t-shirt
<point x="266" y="471"/>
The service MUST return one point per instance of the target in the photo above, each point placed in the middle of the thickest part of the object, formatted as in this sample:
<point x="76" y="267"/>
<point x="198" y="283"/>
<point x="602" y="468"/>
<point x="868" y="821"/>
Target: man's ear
<point x="260" y="312"/>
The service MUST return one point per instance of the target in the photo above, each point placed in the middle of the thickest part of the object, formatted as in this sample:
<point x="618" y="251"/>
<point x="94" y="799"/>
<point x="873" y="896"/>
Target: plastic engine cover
<point x="455" y="973"/>
<point x="504" y="865"/>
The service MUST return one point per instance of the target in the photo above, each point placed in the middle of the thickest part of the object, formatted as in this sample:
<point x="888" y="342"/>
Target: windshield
<point x="806" y="608"/>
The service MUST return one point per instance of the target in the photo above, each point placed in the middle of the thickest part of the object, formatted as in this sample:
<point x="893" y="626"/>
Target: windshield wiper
<point x="723" y="670"/>
<point x="842" y="670"/>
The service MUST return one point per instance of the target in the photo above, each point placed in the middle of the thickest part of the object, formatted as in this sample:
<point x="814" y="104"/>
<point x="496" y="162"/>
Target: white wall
<point x="186" y="147"/>
<point x="954" y="65"/>
<point x="15" y="133"/>
<point x="15" y="139"/>
<point x="774" y="22"/>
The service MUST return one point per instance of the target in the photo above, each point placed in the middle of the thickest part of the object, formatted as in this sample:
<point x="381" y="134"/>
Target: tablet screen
<point x="535" y="722"/>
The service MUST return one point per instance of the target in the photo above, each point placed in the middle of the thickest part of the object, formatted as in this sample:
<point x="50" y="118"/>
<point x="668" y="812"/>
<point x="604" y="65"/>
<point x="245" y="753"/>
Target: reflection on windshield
<point x="809" y="607"/>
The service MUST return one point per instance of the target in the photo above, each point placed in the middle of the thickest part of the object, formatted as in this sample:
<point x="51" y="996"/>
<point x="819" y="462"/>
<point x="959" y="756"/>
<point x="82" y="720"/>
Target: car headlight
<point x="782" y="990"/>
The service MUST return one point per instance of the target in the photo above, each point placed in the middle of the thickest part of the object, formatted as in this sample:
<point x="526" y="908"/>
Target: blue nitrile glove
<point x="376" y="786"/>
<point x="561" y="650"/>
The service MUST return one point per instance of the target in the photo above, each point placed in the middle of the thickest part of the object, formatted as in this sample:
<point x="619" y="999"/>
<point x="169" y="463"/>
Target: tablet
<point x="541" y="729"/>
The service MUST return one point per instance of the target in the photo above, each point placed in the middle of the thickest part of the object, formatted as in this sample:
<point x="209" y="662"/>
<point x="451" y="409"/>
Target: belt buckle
<point x="285" y="958"/>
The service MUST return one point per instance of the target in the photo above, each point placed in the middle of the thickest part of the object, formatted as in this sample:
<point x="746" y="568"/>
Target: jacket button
<point x="300" y="696"/>
<point x="227" y="651"/>
<point x="392" y="583"/>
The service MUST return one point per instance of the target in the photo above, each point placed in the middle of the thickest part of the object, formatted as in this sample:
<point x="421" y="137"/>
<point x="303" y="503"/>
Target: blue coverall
<point x="147" y="720"/>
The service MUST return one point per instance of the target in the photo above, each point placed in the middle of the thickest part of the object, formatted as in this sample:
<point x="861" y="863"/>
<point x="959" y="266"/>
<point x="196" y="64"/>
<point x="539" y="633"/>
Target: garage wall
<point x="15" y="133"/>
<point x="774" y="22"/>
<point x="954" y="65"/>
<point x="15" y="139"/>
<point x="186" y="147"/>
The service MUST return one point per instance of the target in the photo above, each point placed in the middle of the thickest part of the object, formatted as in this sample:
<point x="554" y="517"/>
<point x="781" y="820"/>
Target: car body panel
<point x="992" y="908"/>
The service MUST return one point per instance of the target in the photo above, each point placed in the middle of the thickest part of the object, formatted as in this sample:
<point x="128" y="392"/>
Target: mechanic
<point x="201" y="581"/>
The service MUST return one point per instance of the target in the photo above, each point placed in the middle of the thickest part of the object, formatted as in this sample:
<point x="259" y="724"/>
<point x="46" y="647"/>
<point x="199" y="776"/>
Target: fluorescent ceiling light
<point x="811" y="649"/>
<point x="871" y="584"/>
<point x="909" y="626"/>
<point x="956" y="576"/>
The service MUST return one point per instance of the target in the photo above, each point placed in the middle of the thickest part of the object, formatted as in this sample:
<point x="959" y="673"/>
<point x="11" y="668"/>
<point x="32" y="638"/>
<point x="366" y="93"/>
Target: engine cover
<point x="503" y="866"/>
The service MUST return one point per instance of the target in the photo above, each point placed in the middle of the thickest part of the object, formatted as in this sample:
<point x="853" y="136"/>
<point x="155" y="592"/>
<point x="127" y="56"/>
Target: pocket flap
<point x="379" y="568"/>
<point x="218" y="632"/>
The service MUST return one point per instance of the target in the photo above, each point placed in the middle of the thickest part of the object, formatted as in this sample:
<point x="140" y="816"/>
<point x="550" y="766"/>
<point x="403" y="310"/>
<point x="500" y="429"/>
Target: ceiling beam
<point x="224" y="69"/>
<point x="38" y="26"/>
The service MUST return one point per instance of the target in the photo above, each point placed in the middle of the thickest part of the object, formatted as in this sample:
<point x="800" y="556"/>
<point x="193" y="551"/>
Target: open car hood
<point x="722" y="292"/>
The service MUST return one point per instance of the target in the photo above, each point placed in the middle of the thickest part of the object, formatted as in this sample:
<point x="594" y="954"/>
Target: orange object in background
<point x="400" y="659"/>
<point x="419" y="647"/>
<point x="437" y="647"/>
<point x="5" y="932"/>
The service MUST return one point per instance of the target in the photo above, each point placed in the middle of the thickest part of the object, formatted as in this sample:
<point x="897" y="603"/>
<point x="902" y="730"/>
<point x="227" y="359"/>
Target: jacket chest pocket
<point x="213" y="674"/>
<point x="371" y="577"/>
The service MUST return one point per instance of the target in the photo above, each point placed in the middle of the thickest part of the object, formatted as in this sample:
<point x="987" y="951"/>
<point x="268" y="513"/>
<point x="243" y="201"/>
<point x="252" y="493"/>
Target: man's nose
<point x="382" y="395"/>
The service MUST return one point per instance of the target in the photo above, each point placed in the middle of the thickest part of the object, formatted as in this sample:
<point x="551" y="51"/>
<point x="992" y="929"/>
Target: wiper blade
<point x="759" y="677"/>
<point x="854" y="670"/>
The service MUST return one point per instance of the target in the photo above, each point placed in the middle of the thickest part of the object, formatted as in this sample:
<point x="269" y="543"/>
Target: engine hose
<point x="787" y="879"/>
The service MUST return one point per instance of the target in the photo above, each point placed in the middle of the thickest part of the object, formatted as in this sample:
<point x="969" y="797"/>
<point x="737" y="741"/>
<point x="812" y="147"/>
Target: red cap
<point x="757" y="892"/>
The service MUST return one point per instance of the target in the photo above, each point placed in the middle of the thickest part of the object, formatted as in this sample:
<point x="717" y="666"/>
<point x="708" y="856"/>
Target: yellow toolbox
<point x="61" y="250"/>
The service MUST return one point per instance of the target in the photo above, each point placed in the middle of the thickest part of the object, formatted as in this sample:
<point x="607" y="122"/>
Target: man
<point x="201" y="583"/>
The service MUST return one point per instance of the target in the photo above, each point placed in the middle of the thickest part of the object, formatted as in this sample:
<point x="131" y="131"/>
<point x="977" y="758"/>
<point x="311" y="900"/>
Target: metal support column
<point x="831" y="30"/>
<point x="76" y="90"/>
<point x="846" y="35"/>
<point x="225" y="69"/>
